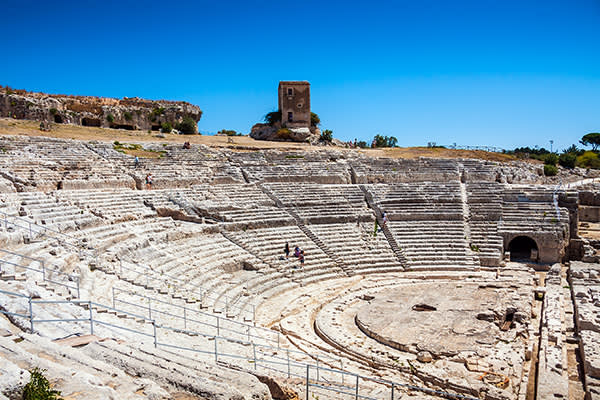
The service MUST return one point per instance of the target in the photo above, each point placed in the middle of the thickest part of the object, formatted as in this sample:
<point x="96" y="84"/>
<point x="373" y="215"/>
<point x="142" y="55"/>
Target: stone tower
<point x="294" y="104"/>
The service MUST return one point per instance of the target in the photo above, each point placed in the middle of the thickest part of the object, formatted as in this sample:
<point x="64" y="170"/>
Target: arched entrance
<point x="521" y="247"/>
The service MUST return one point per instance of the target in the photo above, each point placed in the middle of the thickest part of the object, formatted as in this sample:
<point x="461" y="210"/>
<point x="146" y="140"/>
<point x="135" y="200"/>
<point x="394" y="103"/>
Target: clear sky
<point x="500" y="73"/>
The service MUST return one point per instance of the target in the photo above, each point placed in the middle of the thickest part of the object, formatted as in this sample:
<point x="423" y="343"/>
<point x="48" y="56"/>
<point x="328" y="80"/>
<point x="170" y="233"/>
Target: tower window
<point x="290" y="116"/>
<point x="299" y="105"/>
<point x="290" y="91"/>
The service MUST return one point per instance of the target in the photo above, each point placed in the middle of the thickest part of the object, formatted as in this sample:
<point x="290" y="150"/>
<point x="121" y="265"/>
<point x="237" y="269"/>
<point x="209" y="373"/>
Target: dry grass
<point x="236" y="143"/>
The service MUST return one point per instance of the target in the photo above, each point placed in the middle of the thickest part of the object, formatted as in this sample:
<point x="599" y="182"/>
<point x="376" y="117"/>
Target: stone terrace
<point x="202" y="254"/>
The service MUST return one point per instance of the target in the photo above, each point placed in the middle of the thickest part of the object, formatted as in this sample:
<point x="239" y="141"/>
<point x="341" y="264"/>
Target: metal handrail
<point x="187" y="309"/>
<point x="203" y="294"/>
<point x="44" y="272"/>
<point x="43" y="231"/>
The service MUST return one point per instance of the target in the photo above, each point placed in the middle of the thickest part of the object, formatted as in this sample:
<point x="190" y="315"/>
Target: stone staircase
<point x="385" y="229"/>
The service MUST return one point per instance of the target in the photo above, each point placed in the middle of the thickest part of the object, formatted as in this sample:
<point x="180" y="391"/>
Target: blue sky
<point x="499" y="73"/>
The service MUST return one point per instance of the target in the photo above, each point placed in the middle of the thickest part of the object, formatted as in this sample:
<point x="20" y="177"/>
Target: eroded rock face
<point x="127" y="113"/>
<point x="276" y="133"/>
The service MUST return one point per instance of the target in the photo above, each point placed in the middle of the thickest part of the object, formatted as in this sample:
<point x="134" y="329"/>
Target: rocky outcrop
<point x="278" y="133"/>
<point x="127" y="113"/>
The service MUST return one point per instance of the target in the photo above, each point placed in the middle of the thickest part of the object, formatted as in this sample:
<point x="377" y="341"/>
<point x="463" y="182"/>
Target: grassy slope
<point x="242" y="143"/>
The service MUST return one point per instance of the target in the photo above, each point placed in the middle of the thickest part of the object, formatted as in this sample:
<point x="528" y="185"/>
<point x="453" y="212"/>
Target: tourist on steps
<point x="286" y="249"/>
<point x="149" y="182"/>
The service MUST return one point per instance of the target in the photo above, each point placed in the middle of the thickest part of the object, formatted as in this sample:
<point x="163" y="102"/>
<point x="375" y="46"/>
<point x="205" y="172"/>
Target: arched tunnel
<point x="520" y="248"/>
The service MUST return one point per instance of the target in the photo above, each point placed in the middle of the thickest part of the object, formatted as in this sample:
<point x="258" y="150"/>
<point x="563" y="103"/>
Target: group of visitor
<point x="298" y="253"/>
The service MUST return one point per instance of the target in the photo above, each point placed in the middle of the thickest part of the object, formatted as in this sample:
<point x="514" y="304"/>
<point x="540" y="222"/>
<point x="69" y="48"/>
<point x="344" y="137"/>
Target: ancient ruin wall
<point x="127" y="113"/>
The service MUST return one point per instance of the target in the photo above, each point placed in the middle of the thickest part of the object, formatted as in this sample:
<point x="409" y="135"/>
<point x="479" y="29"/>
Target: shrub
<point x="127" y="115"/>
<point x="188" y="126"/>
<point x="53" y="111"/>
<point x="38" y="387"/>
<point x="166" y="127"/>
<point x="110" y="118"/>
<point x="157" y="111"/>
<point x="273" y="117"/>
<point x="550" y="170"/>
<point x="326" y="135"/>
<point x="567" y="160"/>
<point x="284" y="133"/>
<point x="589" y="159"/>
<point x="228" y="132"/>
<point x="362" y="144"/>
<point x="314" y="119"/>
<point x="550" y="159"/>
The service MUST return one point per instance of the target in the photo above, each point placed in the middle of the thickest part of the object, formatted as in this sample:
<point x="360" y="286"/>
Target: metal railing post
<point x="277" y="340"/>
<point x="149" y="308"/>
<point x="78" y="293"/>
<point x="317" y="369"/>
<point x="356" y="395"/>
<point x="113" y="293"/>
<point x="184" y="318"/>
<point x="218" y="328"/>
<point x="43" y="271"/>
<point x="254" y="354"/>
<point x="216" y="351"/>
<point x="154" y="326"/>
<point x="288" y="363"/>
<point x="307" y="378"/>
<point x="254" y="314"/>
<point x="392" y="390"/>
<point x="91" y="317"/>
<point x="30" y="315"/>
<point x="342" y="369"/>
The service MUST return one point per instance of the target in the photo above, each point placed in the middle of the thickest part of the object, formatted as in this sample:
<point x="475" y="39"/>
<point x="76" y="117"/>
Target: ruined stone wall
<point x="126" y="113"/>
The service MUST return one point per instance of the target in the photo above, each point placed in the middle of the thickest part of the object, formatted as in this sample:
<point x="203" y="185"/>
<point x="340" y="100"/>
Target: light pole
<point x="551" y="143"/>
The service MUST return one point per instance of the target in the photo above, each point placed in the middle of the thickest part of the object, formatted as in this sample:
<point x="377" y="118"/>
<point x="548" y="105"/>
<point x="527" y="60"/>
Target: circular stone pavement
<point x="441" y="318"/>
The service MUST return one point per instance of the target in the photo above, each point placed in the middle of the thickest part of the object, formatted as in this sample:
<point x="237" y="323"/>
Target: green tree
<point x="326" y="135"/>
<point x="385" y="141"/>
<point x="567" y="160"/>
<point x="110" y="118"/>
<point x="188" y="126"/>
<point x="273" y="117"/>
<point x="314" y="119"/>
<point x="591" y="139"/>
<point x="166" y="127"/>
<point x="571" y="149"/>
<point x="550" y="159"/>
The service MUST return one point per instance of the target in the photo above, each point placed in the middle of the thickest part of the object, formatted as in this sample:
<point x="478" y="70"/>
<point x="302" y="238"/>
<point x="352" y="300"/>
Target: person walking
<point x="136" y="162"/>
